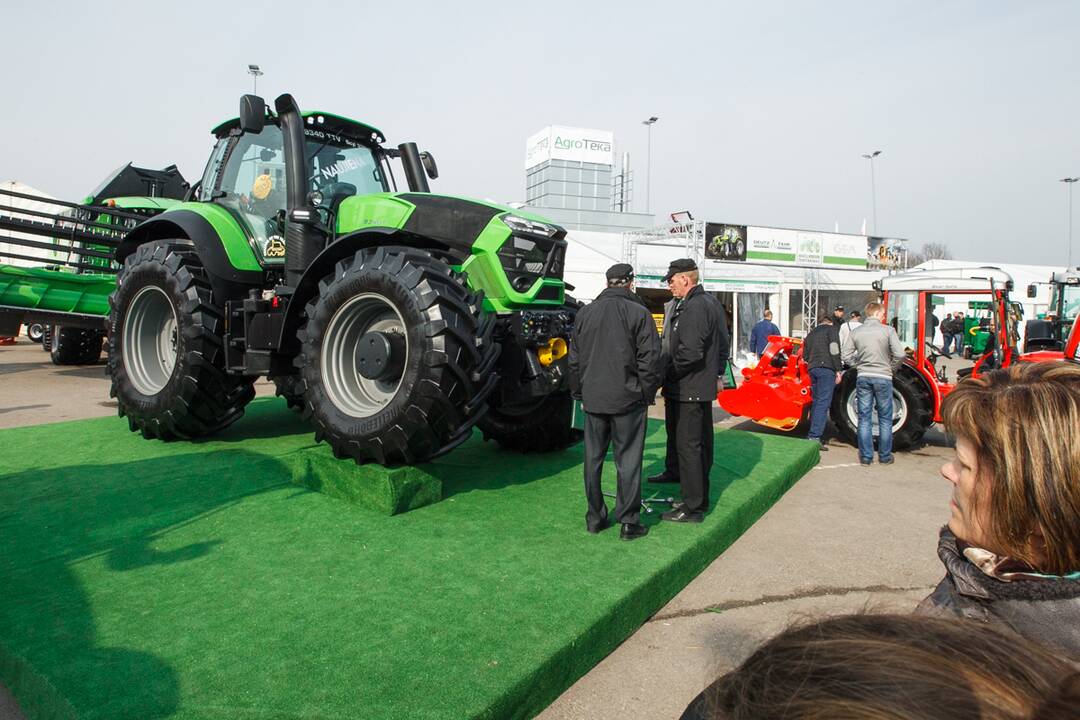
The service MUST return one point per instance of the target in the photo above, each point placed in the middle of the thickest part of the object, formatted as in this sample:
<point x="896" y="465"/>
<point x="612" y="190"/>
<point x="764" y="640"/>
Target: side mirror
<point x="252" y="114"/>
<point x="430" y="167"/>
<point x="1032" y="291"/>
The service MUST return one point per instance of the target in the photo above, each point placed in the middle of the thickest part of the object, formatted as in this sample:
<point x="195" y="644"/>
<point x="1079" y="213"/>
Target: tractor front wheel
<point x="397" y="357"/>
<point x="166" y="353"/>
<point x="35" y="331"/>
<point x="912" y="411"/>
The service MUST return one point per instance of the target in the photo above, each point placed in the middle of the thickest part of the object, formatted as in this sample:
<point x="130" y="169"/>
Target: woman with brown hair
<point x="1011" y="548"/>
<point x="894" y="667"/>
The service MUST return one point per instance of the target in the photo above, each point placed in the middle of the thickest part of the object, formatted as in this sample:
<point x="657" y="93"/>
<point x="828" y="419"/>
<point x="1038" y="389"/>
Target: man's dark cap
<point x="679" y="266"/>
<point x="838" y="307"/>
<point x="620" y="271"/>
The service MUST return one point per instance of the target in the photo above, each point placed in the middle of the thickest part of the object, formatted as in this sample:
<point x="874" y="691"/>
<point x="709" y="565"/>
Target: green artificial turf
<point x="142" y="579"/>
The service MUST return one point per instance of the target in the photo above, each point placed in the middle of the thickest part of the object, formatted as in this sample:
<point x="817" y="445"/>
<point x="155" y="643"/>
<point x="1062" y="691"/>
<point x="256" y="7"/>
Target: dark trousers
<point x="822" y="385"/>
<point x="690" y="449"/>
<point x="627" y="433"/>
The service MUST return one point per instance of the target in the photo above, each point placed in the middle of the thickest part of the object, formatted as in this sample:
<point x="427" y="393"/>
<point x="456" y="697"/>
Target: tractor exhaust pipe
<point x="303" y="240"/>
<point x="414" y="167"/>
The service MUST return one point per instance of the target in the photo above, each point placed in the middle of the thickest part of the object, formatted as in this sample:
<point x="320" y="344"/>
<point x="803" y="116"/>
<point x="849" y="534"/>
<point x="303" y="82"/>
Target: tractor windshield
<point x="340" y="167"/>
<point x="1065" y="299"/>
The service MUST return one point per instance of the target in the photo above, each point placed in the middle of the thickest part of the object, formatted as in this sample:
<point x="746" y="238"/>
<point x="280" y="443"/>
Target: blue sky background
<point x="764" y="108"/>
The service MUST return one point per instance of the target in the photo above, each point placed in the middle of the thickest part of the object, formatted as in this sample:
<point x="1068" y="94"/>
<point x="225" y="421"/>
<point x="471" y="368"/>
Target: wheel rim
<point x="899" y="406"/>
<point x="349" y="391"/>
<point x="149" y="340"/>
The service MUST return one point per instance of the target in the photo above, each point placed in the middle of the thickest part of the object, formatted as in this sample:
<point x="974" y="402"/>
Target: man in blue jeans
<point x="821" y="353"/>
<point x="874" y="350"/>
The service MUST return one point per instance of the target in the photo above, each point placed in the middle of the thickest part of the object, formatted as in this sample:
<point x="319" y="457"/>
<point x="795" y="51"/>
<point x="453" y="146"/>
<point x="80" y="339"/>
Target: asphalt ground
<point x="845" y="539"/>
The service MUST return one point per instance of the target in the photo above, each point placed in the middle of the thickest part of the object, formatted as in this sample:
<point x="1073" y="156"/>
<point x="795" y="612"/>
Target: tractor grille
<point x="528" y="258"/>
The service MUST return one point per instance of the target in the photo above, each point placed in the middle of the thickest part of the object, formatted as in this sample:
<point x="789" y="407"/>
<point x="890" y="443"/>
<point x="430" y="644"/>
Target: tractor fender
<point x="186" y="224"/>
<point x="344" y="247"/>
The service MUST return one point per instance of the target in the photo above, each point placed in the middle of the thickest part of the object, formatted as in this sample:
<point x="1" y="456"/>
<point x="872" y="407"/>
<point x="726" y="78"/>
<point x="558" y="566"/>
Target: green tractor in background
<point x="396" y="321"/>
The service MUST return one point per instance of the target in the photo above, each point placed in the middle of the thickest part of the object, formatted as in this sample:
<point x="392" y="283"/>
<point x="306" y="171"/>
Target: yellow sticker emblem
<point x="275" y="247"/>
<point x="262" y="186"/>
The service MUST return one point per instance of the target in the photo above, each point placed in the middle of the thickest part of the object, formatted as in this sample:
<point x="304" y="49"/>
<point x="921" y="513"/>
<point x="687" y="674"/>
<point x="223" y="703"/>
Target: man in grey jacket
<point x="874" y="349"/>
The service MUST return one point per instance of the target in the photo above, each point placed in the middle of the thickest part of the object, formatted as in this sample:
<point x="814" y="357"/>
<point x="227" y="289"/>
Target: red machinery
<point x="776" y="392"/>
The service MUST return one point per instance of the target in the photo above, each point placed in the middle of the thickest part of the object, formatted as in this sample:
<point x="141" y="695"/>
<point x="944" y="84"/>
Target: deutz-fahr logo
<point x="275" y="246"/>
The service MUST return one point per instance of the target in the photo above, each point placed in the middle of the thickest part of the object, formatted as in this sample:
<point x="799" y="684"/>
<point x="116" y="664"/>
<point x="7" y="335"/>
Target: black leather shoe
<point x="601" y="527"/>
<point x="632" y="532"/>
<point x="662" y="478"/>
<point x="683" y="515"/>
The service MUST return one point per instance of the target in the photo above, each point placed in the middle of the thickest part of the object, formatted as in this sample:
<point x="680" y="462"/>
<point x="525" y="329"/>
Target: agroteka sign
<point x="557" y="142"/>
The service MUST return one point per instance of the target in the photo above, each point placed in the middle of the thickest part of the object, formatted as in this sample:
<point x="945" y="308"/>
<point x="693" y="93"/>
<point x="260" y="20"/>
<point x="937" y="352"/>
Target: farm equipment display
<point x="777" y="391"/>
<point x="396" y="321"/>
<point x="64" y="301"/>
<point x="1050" y="333"/>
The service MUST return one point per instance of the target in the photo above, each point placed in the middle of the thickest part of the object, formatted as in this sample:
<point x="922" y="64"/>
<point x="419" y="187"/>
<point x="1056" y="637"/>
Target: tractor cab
<point x="248" y="173"/>
<point x="1049" y="333"/>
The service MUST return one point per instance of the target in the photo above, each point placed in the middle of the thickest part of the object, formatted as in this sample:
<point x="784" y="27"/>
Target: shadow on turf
<point x="61" y="522"/>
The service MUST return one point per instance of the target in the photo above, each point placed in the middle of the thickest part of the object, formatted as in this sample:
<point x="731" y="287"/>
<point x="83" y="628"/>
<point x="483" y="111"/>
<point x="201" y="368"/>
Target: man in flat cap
<point x="694" y="353"/>
<point x="615" y="371"/>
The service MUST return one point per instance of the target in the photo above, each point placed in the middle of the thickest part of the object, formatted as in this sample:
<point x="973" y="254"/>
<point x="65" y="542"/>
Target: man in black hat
<point x="838" y="316"/>
<point x="615" y="370"/>
<point x="694" y="354"/>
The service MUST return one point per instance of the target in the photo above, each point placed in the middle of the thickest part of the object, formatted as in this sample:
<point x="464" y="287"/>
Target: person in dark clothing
<point x="694" y="355"/>
<point x="838" y="316"/>
<point x="821" y="353"/>
<point x="948" y="332"/>
<point x="932" y="323"/>
<point x="759" y="334"/>
<point x="614" y="370"/>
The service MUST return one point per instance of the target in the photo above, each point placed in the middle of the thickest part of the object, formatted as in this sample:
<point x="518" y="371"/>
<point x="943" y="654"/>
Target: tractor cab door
<point x="246" y="175"/>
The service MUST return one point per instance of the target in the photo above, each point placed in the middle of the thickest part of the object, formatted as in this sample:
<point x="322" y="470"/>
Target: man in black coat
<point x="614" y="370"/>
<point x="694" y="355"/>
<point x="821" y="353"/>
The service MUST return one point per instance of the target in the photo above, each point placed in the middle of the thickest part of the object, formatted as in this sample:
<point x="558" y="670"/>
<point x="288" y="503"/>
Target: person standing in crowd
<point x="854" y="321"/>
<point x="874" y="350"/>
<point x="1011" y="548"/>
<point x="615" y="370"/>
<point x="932" y="323"/>
<point x="838" y="315"/>
<point x="948" y="331"/>
<point x="821" y="353"/>
<point x="759" y="334"/>
<point x="958" y="333"/>
<point x="694" y="351"/>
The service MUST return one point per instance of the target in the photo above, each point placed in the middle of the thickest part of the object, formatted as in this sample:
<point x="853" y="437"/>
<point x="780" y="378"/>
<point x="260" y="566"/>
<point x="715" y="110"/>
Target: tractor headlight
<point x="532" y="228"/>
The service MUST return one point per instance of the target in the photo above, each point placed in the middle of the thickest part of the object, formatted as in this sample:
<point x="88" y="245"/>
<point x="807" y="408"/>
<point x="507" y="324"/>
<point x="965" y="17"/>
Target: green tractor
<point x="396" y="321"/>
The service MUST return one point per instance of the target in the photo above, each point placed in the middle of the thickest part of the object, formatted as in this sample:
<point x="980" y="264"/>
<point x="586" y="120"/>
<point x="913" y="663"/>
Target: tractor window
<point x="903" y="315"/>
<point x="252" y="183"/>
<point x="341" y="168"/>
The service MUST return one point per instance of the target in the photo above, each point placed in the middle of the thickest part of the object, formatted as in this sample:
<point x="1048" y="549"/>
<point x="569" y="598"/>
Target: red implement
<point x="776" y="391"/>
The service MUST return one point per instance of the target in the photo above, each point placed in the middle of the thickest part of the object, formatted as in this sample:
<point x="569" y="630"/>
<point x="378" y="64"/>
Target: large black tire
<point x="442" y="361"/>
<point x="543" y="427"/>
<point x="166" y="353"/>
<point x="46" y="338"/>
<point x="912" y="410"/>
<point x="75" y="346"/>
<point x="290" y="387"/>
<point x="35" y="331"/>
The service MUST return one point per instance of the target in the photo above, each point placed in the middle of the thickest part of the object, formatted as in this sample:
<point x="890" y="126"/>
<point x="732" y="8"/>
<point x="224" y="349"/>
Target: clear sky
<point x="765" y="108"/>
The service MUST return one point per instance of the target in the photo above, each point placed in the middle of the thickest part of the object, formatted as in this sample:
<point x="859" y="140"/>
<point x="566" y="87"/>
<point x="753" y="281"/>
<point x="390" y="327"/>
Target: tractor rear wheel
<point x="75" y="346"/>
<point x="397" y="357"/>
<point x="912" y="411"/>
<point x="46" y="338"/>
<point x="543" y="426"/>
<point x="166" y="352"/>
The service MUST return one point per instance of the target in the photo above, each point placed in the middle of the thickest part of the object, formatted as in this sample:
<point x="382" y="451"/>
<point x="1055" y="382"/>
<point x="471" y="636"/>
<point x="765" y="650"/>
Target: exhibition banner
<point x="741" y="243"/>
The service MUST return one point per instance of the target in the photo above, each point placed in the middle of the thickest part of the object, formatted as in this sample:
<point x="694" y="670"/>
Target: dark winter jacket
<point x="695" y="347"/>
<point x="821" y="348"/>
<point x="614" y="354"/>
<point x="1044" y="610"/>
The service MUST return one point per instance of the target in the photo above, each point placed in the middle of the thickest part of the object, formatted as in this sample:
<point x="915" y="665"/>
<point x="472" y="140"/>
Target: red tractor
<point x="776" y="392"/>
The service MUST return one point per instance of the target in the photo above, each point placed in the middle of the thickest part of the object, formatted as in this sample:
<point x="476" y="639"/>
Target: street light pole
<point x="873" y="190"/>
<point x="648" y="159"/>
<point x="1068" y="204"/>
<point x="254" y="72"/>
